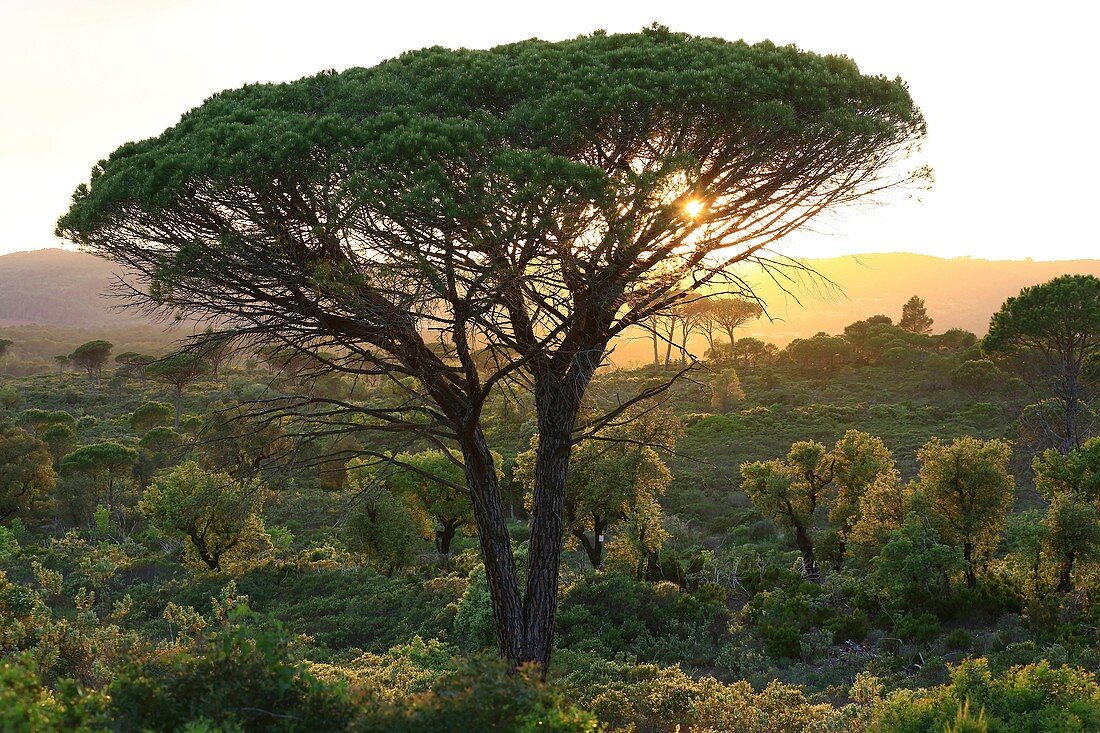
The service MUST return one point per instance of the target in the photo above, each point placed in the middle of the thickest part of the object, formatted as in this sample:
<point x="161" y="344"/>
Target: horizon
<point x="130" y="79"/>
<point x="59" y="247"/>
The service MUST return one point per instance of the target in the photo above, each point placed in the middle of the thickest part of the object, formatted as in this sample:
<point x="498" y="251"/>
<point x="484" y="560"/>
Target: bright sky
<point x="1008" y="93"/>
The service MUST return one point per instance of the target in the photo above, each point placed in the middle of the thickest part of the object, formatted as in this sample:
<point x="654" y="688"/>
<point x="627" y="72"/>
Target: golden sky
<point x="1007" y="89"/>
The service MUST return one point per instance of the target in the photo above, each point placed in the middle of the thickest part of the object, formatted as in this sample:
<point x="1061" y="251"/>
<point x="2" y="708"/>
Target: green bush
<point x="243" y="679"/>
<point x="1035" y="698"/>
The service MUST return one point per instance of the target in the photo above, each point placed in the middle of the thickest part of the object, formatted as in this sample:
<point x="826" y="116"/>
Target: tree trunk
<point x="444" y="537"/>
<point x="1065" y="573"/>
<point x="656" y="352"/>
<point x="212" y="561"/>
<point x="558" y="400"/>
<point x="1072" y="407"/>
<point x="179" y="398"/>
<point x="540" y="600"/>
<point x="809" y="559"/>
<point x="594" y="547"/>
<point x="968" y="556"/>
<point x="496" y="548"/>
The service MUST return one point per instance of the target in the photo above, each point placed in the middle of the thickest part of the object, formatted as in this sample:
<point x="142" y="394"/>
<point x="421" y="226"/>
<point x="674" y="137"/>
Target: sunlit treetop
<point x="607" y="142"/>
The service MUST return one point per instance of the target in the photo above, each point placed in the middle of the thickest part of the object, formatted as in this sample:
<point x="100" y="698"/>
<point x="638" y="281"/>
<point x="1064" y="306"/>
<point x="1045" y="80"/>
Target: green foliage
<point x="242" y="679"/>
<point x="820" y="353"/>
<point x="913" y="570"/>
<point x="151" y="415"/>
<point x="1026" y="699"/>
<point x="91" y="356"/>
<point x="435" y="487"/>
<point x="36" y="420"/>
<point x="1071" y="485"/>
<point x="26" y="471"/>
<point x="914" y="316"/>
<point x="970" y="491"/>
<point x="218" y="515"/>
<point x="474" y="628"/>
<point x="383" y="528"/>
<point x="481" y="695"/>
<point x="725" y="391"/>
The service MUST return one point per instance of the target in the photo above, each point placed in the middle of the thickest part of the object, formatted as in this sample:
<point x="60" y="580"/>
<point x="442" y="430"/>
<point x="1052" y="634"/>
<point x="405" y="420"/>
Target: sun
<point x="694" y="208"/>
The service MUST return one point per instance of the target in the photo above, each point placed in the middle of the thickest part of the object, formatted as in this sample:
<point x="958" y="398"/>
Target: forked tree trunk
<point x="444" y="536"/>
<point x="594" y="547"/>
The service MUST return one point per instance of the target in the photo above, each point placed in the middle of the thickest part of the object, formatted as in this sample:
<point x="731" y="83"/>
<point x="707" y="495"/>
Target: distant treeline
<point x="34" y="346"/>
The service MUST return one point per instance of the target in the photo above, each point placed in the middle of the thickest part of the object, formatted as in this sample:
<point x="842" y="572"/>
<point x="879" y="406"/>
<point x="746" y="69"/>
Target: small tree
<point x="970" y="490"/>
<point x="63" y="361"/>
<point x="60" y="438"/>
<point x="105" y="464"/>
<point x="151" y="415"/>
<point x="26" y="471"/>
<point x="730" y="314"/>
<point x="434" y="483"/>
<point x="91" y="357"/>
<point x="859" y="460"/>
<point x="789" y="492"/>
<point x="383" y="528"/>
<point x="10" y="398"/>
<point x="820" y="353"/>
<point x="977" y="376"/>
<point x="215" y="513"/>
<point x="5" y="345"/>
<point x="1071" y="484"/>
<point x="1050" y="331"/>
<point x="134" y="364"/>
<point x="752" y="352"/>
<point x="914" y="316"/>
<point x="158" y="448"/>
<point x="178" y="370"/>
<point x="882" y="510"/>
<point x="35" y="420"/>
<point x="725" y="391"/>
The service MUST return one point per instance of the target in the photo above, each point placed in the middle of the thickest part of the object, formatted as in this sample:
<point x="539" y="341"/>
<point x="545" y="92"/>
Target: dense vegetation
<point x="871" y="531"/>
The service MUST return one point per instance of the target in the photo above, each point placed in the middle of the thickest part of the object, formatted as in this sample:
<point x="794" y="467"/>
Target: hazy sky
<point x="1008" y="93"/>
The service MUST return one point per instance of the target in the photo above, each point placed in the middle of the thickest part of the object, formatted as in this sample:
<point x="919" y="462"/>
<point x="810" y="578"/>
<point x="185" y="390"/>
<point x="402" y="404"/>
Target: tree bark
<point x="809" y="559"/>
<point x="558" y="399"/>
<point x="594" y="547"/>
<point x="496" y="548"/>
<point x="540" y="600"/>
<point x="968" y="556"/>
<point x="1065" y="573"/>
<point x="444" y="537"/>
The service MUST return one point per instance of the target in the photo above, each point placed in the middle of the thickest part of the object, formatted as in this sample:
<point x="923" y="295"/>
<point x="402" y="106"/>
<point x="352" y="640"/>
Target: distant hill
<point x="58" y="287"/>
<point x="959" y="293"/>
